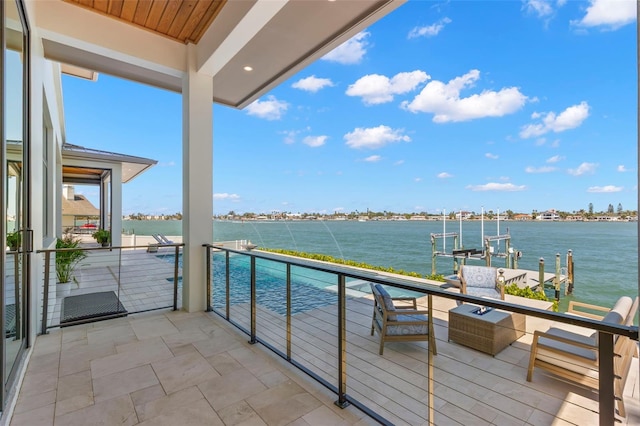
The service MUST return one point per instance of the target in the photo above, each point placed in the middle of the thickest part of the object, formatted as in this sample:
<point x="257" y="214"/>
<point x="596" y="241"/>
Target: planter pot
<point x="105" y="244"/>
<point x="63" y="290"/>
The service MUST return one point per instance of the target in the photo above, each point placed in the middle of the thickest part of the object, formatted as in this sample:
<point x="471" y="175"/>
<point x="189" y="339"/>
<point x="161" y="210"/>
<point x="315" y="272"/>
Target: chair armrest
<point x="412" y="312"/>
<point x="413" y="301"/>
<point x="574" y="304"/>
<point x="537" y="334"/>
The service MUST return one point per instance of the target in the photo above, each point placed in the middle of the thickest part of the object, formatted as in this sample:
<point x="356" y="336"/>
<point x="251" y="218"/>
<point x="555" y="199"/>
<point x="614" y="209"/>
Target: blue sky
<point x="521" y="105"/>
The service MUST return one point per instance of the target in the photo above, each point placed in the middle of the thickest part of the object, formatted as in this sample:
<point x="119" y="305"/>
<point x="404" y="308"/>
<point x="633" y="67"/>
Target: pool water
<point x="308" y="287"/>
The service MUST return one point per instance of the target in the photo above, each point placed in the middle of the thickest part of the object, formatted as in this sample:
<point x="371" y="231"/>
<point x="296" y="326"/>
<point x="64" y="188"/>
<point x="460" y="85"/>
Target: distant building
<point x="76" y="207"/>
<point x="548" y="215"/>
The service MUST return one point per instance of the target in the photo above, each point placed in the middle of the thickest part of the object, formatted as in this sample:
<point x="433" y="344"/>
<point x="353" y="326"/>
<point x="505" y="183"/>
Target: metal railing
<point x="109" y="282"/>
<point x="320" y="341"/>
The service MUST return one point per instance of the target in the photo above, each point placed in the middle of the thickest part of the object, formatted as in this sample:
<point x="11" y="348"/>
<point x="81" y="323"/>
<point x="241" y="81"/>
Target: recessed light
<point x="248" y="68"/>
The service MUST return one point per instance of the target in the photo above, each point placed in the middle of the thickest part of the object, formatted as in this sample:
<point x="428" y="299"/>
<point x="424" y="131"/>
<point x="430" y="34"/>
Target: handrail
<point x="47" y="274"/>
<point x="407" y="284"/>
<point x="605" y="331"/>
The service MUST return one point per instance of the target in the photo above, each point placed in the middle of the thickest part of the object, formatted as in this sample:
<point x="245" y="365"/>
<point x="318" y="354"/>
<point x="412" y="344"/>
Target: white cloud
<point x="271" y="109"/>
<point x="583" y="169"/>
<point x="290" y="136"/>
<point x="543" y="169"/>
<point x="608" y="14"/>
<point x="491" y="156"/>
<point x="312" y="84"/>
<point x="444" y="101"/>
<point x="167" y="164"/>
<point x="398" y="163"/>
<point x="378" y="89"/>
<point x="501" y="187"/>
<point x="555" y="159"/>
<point x="541" y="8"/>
<point x="418" y="179"/>
<point x="373" y="159"/>
<point x="315" y="141"/>
<point x="621" y="168"/>
<point x="374" y="137"/>
<point x="351" y="51"/>
<point x="607" y="188"/>
<point x="429" y="30"/>
<point x="570" y="118"/>
<point x="225" y="196"/>
<point x="444" y="175"/>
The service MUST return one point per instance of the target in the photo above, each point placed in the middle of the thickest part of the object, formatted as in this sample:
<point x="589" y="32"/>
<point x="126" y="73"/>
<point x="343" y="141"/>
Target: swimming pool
<point x="308" y="287"/>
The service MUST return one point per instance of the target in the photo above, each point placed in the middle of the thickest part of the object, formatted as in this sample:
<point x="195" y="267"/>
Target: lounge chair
<point x="400" y="323"/>
<point x="481" y="281"/>
<point x="161" y="239"/>
<point x="571" y="352"/>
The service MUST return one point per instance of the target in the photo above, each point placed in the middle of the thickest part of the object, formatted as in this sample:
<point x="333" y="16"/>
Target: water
<point x="605" y="254"/>
<point x="307" y="286"/>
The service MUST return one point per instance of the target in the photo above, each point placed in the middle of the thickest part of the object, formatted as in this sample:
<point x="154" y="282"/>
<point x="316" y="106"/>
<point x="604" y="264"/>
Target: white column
<point x="116" y="205"/>
<point x="197" y="181"/>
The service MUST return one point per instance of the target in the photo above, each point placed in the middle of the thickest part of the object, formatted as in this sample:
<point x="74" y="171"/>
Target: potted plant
<point x="13" y="240"/>
<point x="66" y="261"/>
<point x="102" y="236"/>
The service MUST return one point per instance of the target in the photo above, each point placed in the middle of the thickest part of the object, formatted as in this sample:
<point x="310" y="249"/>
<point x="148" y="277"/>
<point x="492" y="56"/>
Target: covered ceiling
<point x="184" y="21"/>
<point x="247" y="46"/>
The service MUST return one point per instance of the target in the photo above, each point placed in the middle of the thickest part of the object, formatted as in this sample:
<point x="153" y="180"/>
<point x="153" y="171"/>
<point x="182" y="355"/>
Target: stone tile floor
<point x="167" y="368"/>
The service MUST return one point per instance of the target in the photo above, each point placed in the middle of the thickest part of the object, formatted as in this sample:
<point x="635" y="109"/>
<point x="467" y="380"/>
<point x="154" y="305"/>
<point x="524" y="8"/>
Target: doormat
<point x="91" y="307"/>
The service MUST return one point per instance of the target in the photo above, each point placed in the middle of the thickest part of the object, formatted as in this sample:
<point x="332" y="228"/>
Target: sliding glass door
<point x="15" y="199"/>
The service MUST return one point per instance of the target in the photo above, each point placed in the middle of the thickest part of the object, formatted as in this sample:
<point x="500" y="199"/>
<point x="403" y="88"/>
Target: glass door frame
<point x="9" y="375"/>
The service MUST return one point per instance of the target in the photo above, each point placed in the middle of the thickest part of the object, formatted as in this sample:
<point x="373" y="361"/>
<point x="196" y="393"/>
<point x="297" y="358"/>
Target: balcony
<point x="193" y="368"/>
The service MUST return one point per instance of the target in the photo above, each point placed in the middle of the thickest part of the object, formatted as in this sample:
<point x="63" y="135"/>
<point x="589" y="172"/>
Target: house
<point x="76" y="207"/>
<point x="548" y="215"/>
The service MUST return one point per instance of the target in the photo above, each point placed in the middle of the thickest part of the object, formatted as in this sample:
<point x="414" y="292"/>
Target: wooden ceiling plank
<point x="142" y="12"/>
<point x="115" y="7"/>
<point x="168" y="16"/>
<point x="129" y="10"/>
<point x="198" y="13"/>
<point x="86" y="3"/>
<point x="157" y="8"/>
<point x="101" y="5"/>
<point x="206" y="21"/>
<point x="182" y="17"/>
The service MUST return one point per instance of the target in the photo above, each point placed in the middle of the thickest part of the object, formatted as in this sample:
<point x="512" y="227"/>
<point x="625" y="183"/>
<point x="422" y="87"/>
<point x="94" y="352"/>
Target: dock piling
<point x="541" y="275"/>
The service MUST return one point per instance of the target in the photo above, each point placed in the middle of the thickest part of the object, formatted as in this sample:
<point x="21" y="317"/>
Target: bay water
<point x="605" y="253"/>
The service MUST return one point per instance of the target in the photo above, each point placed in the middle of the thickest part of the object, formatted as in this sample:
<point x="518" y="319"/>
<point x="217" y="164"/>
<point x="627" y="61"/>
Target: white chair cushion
<point x="479" y="276"/>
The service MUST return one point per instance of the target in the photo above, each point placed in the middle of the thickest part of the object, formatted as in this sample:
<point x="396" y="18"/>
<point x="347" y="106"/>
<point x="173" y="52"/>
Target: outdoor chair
<point x="481" y="281"/>
<point x="400" y="322"/>
<point x="571" y="352"/>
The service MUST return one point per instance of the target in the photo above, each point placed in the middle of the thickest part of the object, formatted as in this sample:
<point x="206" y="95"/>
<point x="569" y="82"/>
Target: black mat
<point x="91" y="307"/>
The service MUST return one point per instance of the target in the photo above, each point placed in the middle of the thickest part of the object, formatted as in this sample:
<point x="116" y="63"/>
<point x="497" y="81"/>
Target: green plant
<point x="527" y="292"/>
<point x="331" y="259"/>
<point x="67" y="259"/>
<point x="102" y="236"/>
<point x="13" y="240"/>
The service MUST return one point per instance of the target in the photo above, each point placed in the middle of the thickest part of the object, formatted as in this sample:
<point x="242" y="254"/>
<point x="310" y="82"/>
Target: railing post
<point x="227" y="284"/>
<point x="342" y="343"/>
<point x="175" y="277"/>
<point x="209" y="294"/>
<point x="253" y="300"/>
<point x="606" y="397"/>
<point x="45" y="296"/>
<point x="430" y="395"/>
<point x="288" y="312"/>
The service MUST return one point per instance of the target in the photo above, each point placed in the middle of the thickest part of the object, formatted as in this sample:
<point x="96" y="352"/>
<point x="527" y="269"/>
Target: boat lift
<point x="523" y="278"/>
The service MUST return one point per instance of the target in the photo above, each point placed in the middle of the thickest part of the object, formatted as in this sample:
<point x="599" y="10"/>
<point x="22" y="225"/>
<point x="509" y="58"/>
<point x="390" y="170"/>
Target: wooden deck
<point x="470" y="387"/>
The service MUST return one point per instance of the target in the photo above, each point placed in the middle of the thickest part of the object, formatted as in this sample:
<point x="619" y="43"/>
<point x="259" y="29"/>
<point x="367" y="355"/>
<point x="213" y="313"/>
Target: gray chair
<point x="481" y="281"/>
<point x="400" y="322"/>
